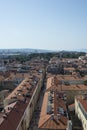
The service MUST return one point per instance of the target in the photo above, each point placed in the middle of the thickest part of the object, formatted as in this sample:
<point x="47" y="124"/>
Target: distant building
<point x="55" y="69"/>
<point x="3" y="68"/>
<point x="69" y="70"/>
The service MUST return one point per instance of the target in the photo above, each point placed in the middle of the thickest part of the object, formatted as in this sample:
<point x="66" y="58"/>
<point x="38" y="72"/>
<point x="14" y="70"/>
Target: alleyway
<point x="36" y="115"/>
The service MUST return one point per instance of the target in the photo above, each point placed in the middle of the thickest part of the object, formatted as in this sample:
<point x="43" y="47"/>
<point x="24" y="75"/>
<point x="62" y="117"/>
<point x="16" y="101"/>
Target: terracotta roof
<point x="69" y="68"/>
<point x="12" y="120"/>
<point x="2" y="78"/>
<point x="82" y="100"/>
<point x="59" y="124"/>
<point x="14" y="76"/>
<point x="13" y="117"/>
<point x="64" y="87"/>
<point x="47" y="120"/>
<point x="68" y="77"/>
<point x="84" y="104"/>
<point x="74" y="87"/>
<point x="61" y="103"/>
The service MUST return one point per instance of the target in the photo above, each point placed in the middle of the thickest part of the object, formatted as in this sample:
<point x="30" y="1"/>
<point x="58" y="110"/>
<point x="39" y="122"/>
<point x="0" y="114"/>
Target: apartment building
<point x="54" y="114"/>
<point x="20" y="104"/>
<point x="81" y="109"/>
<point x="69" y="70"/>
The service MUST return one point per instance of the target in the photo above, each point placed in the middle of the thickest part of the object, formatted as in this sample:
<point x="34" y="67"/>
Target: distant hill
<point x="30" y="50"/>
<point x="81" y="50"/>
<point x="8" y="51"/>
<point x="75" y="50"/>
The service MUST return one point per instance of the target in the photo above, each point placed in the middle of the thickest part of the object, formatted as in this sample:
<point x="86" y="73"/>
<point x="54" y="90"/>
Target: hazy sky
<point x="43" y="24"/>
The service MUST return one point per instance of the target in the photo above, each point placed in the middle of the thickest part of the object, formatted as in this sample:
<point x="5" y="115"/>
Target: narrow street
<point x="36" y="115"/>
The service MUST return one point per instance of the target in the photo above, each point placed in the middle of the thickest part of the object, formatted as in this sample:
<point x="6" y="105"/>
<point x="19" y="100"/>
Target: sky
<point x="43" y="24"/>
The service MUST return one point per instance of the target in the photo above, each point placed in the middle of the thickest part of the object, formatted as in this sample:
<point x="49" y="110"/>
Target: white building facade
<point x="80" y="111"/>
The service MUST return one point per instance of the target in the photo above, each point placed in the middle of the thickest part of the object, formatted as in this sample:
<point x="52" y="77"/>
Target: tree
<point x="85" y="82"/>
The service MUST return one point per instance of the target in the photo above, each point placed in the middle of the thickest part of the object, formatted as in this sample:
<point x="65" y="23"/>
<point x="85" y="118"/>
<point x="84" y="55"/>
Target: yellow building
<point x="81" y="109"/>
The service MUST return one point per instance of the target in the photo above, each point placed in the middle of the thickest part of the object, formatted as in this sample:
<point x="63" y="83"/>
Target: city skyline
<point x="43" y="24"/>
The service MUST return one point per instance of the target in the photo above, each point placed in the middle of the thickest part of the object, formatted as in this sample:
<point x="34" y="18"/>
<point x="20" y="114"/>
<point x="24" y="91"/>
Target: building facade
<point x="81" y="110"/>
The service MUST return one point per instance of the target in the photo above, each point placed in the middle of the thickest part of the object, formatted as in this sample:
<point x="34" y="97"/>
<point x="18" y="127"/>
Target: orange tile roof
<point x="84" y="104"/>
<point x="48" y="121"/>
<point x="1" y="78"/>
<point x="12" y="120"/>
<point x="53" y="124"/>
<point x="74" y="87"/>
<point x="67" y="77"/>
<point x="69" y="68"/>
<point x="65" y="87"/>
<point x="17" y="111"/>
<point x="83" y="101"/>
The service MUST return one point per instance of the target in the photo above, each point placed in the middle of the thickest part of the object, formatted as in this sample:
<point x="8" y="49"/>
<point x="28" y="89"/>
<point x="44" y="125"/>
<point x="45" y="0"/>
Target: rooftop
<point x="16" y="103"/>
<point x="53" y="104"/>
<point x="83" y="101"/>
<point x="74" y="83"/>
